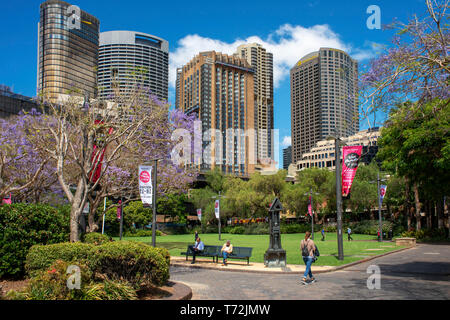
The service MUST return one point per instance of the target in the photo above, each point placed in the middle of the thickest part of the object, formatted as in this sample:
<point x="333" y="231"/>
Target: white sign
<point x="145" y="184"/>
<point x="199" y="214"/>
<point x="217" y="209"/>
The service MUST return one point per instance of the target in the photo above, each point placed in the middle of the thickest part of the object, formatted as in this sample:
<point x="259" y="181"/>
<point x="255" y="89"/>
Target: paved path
<point x="419" y="273"/>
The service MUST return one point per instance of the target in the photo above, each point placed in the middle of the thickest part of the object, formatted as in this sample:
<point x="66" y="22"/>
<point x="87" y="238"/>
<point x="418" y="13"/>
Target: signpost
<point x="147" y="190"/>
<point x="275" y="256"/>
<point x="217" y="210"/>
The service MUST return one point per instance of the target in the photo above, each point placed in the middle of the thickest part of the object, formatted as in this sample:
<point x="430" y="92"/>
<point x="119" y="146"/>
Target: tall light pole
<point x="214" y="197"/>
<point x="380" y="223"/>
<point x="337" y="151"/>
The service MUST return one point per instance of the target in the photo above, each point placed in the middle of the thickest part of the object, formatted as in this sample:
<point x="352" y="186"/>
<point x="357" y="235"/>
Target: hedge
<point x="24" y="225"/>
<point x="137" y="263"/>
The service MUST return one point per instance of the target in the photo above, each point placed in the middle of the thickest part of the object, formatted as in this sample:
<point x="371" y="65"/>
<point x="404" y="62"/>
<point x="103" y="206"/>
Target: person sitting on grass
<point x="198" y="248"/>
<point x="227" y="249"/>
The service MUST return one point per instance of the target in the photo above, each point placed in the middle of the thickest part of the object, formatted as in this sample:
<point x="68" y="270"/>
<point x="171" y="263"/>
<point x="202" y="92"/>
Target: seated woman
<point x="227" y="249"/>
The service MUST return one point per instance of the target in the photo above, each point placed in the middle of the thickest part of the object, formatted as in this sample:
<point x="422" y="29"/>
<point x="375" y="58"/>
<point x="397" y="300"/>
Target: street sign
<point x="145" y="184"/>
<point x="217" y="209"/>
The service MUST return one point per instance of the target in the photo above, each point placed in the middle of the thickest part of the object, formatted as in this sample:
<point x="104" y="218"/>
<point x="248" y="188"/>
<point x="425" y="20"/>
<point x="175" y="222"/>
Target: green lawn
<point x="353" y="250"/>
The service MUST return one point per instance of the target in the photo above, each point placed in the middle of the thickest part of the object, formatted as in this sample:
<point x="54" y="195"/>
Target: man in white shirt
<point x="198" y="248"/>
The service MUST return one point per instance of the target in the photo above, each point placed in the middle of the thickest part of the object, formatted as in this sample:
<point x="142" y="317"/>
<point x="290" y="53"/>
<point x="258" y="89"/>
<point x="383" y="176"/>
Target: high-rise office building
<point x="67" y="50"/>
<point x="262" y="62"/>
<point x="219" y="89"/>
<point x="324" y="88"/>
<point x="127" y="58"/>
<point x="287" y="157"/>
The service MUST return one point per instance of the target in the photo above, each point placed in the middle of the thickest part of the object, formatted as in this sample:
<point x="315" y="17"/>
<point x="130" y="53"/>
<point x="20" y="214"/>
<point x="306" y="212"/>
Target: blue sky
<point x="287" y="28"/>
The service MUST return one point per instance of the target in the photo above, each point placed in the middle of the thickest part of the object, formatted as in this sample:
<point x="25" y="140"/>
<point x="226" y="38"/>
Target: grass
<point x="353" y="250"/>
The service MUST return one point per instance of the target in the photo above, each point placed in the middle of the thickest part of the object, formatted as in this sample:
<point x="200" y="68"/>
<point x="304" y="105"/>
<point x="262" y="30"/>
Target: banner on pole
<point x="119" y="210"/>
<point x="145" y="184"/>
<point x="199" y="214"/>
<point x="383" y="189"/>
<point x="309" y="207"/>
<point x="350" y="156"/>
<point x="217" y="209"/>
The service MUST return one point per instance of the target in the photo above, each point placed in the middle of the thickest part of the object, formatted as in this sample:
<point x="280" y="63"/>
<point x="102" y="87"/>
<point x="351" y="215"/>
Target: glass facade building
<point x="68" y="41"/>
<point x="127" y="58"/>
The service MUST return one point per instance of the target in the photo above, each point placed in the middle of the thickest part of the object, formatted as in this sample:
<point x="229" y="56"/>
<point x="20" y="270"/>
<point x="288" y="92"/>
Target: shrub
<point x="110" y="290"/>
<point x="427" y="234"/>
<point x="95" y="238"/>
<point x="137" y="263"/>
<point x="24" y="225"/>
<point x="141" y="233"/>
<point x="370" y="227"/>
<point x="237" y="230"/>
<point x="51" y="284"/>
<point x="40" y="257"/>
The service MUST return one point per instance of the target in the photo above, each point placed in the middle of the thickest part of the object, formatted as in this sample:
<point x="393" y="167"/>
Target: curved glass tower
<point x="126" y="57"/>
<point x="67" y="50"/>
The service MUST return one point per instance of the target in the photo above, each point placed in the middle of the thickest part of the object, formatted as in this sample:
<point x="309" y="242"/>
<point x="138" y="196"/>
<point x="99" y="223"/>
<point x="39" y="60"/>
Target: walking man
<point x="323" y="234"/>
<point x="349" y="233"/>
<point x="307" y="248"/>
<point x="198" y="248"/>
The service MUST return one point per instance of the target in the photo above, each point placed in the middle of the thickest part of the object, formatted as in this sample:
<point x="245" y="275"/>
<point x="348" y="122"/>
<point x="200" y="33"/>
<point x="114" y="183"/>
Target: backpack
<point x="305" y="252"/>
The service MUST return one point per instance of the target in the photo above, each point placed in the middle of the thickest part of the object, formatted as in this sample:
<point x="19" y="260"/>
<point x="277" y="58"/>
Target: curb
<point x="332" y="269"/>
<point x="181" y="291"/>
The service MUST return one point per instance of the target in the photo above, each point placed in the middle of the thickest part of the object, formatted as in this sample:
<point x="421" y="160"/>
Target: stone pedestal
<point x="275" y="258"/>
<point x="405" y="242"/>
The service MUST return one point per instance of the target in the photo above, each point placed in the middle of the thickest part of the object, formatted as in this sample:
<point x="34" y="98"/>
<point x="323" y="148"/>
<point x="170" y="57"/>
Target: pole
<point x="220" y="235"/>
<point x="380" y="225"/>
<point x="104" y="210"/>
<point x="121" y="217"/>
<point x="339" y="200"/>
<point x="312" y="214"/>
<point x="154" y="205"/>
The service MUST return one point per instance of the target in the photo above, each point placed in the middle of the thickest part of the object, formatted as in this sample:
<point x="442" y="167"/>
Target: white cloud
<point x="289" y="43"/>
<point x="286" y="141"/>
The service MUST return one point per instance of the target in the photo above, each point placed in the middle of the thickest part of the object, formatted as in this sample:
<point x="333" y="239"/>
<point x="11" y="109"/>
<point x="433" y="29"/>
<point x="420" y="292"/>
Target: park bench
<point x="208" y="251"/>
<point x="215" y="252"/>
<point x="240" y="253"/>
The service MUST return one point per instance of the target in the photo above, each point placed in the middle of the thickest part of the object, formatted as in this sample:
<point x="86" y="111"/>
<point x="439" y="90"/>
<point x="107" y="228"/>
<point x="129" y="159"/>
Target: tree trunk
<point x="417" y="206"/>
<point x="440" y="214"/>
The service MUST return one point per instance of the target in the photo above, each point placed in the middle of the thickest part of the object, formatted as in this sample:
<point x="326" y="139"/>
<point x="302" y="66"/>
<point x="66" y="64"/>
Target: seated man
<point x="198" y="248"/>
<point x="227" y="249"/>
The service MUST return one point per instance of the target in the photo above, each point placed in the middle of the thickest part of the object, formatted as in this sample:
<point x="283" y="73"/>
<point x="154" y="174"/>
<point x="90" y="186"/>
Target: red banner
<point x="95" y="173"/>
<point x="350" y="156"/>
<point x="309" y="207"/>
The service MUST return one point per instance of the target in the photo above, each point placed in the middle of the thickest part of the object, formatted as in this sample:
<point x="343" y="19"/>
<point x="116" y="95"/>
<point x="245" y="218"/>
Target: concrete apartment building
<point x="127" y="58"/>
<point x="322" y="155"/>
<point x="262" y="62"/>
<point x="324" y="88"/>
<point x="219" y="89"/>
<point x="68" y="40"/>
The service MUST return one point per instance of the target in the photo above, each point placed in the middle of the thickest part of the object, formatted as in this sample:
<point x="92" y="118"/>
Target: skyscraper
<point x="128" y="57"/>
<point x="262" y="62"/>
<point x="67" y="50"/>
<point x="287" y="157"/>
<point x="219" y="89"/>
<point x="324" y="88"/>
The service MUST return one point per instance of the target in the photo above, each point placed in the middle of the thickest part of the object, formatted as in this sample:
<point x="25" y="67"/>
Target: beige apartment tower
<point x="324" y="88"/>
<point x="218" y="88"/>
<point x="262" y="62"/>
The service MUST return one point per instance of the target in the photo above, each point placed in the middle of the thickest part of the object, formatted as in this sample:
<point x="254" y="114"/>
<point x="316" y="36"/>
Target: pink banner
<point x="350" y="156"/>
